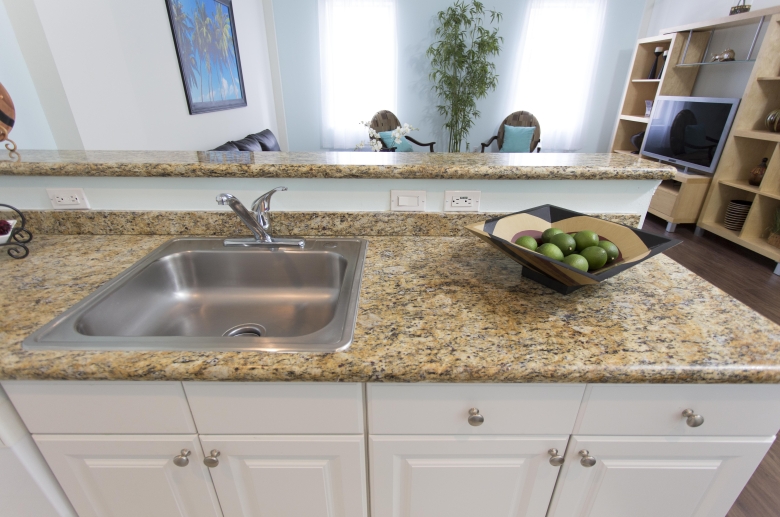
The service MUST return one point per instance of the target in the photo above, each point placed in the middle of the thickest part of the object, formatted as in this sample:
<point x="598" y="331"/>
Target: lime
<point x="573" y="234"/>
<point x="595" y="256"/>
<point x="586" y="239"/>
<point x="577" y="261"/>
<point x="565" y="242"/>
<point x="548" y="233"/>
<point x="552" y="251"/>
<point x="527" y="241"/>
<point x="611" y="249"/>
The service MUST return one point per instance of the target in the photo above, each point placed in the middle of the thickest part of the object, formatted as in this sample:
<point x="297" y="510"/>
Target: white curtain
<point x="358" y="49"/>
<point x="556" y="68"/>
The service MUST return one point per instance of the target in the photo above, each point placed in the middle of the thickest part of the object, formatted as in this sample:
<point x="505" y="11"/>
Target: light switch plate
<point x="68" y="198"/>
<point x="461" y="200"/>
<point x="407" y="200"/>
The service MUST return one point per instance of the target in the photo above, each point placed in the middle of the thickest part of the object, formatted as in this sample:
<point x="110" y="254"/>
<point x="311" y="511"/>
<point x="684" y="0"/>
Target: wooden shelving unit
<point x="674" y="80"/>
<point x="747" y="144"/>
<point x="680" y="200"/>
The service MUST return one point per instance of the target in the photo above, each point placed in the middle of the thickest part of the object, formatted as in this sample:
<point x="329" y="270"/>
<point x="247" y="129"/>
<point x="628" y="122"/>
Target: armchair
<point x="387" y="121"/>
<point x="518" y="119"/>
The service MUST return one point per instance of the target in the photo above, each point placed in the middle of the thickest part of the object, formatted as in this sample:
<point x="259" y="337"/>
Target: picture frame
<point x="204" y="35"/>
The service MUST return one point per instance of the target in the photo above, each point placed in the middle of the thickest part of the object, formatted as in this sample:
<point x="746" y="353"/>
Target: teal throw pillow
<point x="403" y="147"/>
<point x="517" y="139"/>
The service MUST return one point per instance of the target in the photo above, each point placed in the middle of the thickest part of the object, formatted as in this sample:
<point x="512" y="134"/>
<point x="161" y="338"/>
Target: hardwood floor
<point x="749" y="278"/>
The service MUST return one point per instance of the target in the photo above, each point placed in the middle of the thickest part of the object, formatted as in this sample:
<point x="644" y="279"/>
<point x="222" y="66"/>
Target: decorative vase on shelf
<point x="774" y="239"/>
<point x="757" y="174"/>
<point x="636" y="141"/>
<point x="654" y="69"/>
<point x="772" y="121"/>
<point x="740" y="8"/>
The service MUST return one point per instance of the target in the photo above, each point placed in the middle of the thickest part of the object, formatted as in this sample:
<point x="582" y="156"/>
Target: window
<point x="556" y="68"/>
<point x="357" y="67"/>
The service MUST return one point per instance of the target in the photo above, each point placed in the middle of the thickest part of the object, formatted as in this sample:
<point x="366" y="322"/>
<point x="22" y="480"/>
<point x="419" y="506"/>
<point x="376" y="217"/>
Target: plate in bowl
<point x="635" y="245"/>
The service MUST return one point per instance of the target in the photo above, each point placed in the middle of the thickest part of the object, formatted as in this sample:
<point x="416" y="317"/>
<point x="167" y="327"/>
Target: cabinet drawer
<point x="276" y="407"/>
<point x="101" y="407"/>
<point x="444" y="408"/>
<point x="728" y="410"/>
<point x="664" y="199"/>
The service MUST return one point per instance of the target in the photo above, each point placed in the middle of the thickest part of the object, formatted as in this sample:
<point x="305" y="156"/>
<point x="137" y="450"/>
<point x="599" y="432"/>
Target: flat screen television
<point x="689" y="131"/>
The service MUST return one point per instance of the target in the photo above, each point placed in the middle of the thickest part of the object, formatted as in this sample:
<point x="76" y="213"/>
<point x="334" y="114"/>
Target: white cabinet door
<point x="131" y="476"/>
<point x="655" y="476"/>
<point x="290" y="476"/>
<point x="462" y="476"/>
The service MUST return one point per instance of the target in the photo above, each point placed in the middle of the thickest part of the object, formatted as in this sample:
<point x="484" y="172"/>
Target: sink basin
<point x="196" y="294"/>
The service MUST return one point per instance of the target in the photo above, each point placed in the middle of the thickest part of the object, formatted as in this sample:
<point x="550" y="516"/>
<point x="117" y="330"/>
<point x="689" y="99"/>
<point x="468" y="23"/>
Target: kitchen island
<point x="468" y="389"/>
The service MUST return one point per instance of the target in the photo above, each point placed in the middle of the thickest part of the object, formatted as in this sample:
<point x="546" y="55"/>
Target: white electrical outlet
<point x="68" y="198"/>
<point x="461" y="200"/>
<point x="407" y="200"/>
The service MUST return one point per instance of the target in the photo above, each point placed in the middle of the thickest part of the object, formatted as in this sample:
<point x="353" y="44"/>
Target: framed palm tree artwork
<point x="204" y="32"/>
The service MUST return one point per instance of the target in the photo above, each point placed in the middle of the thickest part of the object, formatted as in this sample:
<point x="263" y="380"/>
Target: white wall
<point x="671" y="13"/>
<point x="297" y="37"/>
<point x="728" y="80"/>
<point x="117" y="65"/>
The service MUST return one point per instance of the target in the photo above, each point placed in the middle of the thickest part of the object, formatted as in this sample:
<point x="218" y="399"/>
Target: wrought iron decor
<point x="19" y="238"/>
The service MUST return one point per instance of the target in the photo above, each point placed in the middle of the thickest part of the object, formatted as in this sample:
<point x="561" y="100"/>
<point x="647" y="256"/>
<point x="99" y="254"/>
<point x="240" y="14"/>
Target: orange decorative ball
<point x="7" y="113"/>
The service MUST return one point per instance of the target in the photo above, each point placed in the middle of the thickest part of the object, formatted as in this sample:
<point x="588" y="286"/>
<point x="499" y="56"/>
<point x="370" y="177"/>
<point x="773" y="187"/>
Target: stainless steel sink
<point x="196" y="294"/>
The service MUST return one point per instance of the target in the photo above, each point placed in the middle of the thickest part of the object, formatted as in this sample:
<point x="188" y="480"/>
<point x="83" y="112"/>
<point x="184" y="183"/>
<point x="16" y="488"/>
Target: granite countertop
<point x="434" y="309"/>
<point x="192" y="164"/>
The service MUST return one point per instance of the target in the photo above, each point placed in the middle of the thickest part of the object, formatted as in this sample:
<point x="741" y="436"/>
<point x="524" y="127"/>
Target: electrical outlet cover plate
<point x="407" y="200"/>
<point x="68" y="198"/>
<point x="461" y="200"/>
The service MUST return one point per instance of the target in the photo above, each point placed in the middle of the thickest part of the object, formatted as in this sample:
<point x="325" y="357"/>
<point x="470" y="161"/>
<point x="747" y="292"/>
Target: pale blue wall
<point x="297" y="37"/>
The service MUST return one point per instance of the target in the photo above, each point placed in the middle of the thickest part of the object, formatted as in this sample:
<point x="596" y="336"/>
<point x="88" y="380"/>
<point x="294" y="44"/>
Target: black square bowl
<point x="635" y="245"/>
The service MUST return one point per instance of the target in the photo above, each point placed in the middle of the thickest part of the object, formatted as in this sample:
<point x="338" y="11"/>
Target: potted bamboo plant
<point x="462" y="70"/>
<point x="774" y="230"/>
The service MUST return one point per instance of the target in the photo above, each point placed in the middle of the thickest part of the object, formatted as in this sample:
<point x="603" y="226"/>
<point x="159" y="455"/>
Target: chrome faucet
<point x="256" y="220"/>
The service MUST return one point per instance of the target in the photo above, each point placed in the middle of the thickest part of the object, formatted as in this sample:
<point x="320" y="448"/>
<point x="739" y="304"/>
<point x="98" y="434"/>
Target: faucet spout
<point x="262" y="205"/>
<point x="245" y="215"/>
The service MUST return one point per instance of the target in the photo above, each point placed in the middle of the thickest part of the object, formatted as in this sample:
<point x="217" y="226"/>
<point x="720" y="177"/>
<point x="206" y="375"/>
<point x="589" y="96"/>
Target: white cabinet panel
<point x="655" y="476"/>
<point x="276" y="407"/>
<point x="444" y="408"/>
<point x="656" y="409"/>
<point x="462" y="476"/>
<point x="101" y="407"/>
<point x="290" y="476"/>
<point x="131" y="476"/>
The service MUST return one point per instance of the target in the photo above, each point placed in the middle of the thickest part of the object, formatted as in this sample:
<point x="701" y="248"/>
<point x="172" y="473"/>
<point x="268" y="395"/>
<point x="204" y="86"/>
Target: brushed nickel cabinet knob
<point x="587" y="460"/>
<point x="212" y="460"/>
<point x="692" y="419"/>
<point x="182" y="460"/>
<point x="475" y="418"/>
<point x="556" y="460"/>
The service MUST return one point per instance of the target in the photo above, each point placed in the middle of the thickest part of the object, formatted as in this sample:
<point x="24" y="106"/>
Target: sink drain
<point x="245" y="330"/>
